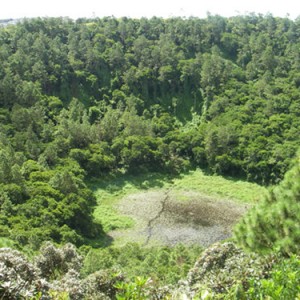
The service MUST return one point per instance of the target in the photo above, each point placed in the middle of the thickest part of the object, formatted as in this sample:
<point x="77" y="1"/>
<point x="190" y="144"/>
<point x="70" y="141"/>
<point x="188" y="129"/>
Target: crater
<point x="168" y="217"/>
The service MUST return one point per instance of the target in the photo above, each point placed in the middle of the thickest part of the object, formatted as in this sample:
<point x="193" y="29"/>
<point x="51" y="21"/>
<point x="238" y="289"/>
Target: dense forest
<point x="94" y="98"/>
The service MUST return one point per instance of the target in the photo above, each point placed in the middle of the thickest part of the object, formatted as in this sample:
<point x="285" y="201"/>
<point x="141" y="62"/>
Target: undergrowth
<point x="164" y="265"/>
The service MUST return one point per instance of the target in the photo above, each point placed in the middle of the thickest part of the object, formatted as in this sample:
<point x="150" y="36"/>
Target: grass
<point x="111" y="190"/>
<point x="7" y="243"/>
<point x="220" y="187"/>
<point x="110" y="219"/>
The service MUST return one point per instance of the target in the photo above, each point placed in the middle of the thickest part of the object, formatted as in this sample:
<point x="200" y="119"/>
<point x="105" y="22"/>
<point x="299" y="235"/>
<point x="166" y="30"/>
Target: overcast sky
<point x="139" y="8"/>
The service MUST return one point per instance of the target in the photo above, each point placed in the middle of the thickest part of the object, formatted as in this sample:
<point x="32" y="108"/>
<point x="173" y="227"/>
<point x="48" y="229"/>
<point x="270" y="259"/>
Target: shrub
<point x="284" y="282"/>
<point x="224" y="266"/>
<point x="274" y="223"/>
<point x="18" y="277"/>
<point x="54" y="262"/>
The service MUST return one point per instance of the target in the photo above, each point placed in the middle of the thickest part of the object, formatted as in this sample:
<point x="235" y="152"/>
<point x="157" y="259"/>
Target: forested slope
<point x="88" y="98"/>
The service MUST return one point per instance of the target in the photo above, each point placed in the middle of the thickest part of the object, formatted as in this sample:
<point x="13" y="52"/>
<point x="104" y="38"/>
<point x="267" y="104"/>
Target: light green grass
<point x="110" y="219"/>
<point x="7" y="243"/>
<point x="220" y="187"/>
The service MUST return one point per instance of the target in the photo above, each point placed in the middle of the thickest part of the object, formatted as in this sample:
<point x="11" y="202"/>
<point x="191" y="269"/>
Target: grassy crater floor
<point x="193" y="208"/>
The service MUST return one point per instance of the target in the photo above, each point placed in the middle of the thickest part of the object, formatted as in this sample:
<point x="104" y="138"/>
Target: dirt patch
<point x="203" y="212"/>
<point x="169" y="217"/>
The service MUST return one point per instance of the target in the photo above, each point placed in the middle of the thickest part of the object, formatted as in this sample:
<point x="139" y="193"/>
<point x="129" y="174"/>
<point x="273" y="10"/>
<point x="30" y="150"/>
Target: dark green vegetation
<point x="274" y="224"/>
<point x="107" y="97"/>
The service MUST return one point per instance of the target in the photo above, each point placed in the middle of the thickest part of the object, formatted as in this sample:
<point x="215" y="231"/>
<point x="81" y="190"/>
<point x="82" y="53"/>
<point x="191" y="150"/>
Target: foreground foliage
<point x="284" y="282"/>
<point x="21" y="279"/>
<point x="165" y="265"/>
<point x="222" y="271"/>
<point x="273" y="225"/>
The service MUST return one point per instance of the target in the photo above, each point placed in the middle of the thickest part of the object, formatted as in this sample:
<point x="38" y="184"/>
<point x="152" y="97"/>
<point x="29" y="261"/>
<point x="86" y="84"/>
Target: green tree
<point x="273" y="225"/>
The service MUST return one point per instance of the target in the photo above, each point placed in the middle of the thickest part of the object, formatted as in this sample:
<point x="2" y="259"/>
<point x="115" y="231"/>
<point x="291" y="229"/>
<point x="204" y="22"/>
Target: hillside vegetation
<point x="90" y="108"/>
<point x="88" y="98"/>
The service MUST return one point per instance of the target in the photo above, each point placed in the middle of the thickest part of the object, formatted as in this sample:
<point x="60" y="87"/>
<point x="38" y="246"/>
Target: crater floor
<point x="168" y="217"/>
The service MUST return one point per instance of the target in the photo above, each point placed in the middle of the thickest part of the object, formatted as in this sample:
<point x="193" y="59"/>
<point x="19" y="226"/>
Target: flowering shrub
<point x="223" y="271"/>
<point x="18" y="277"/>
<point x="55" y="271"/>
<point x="102" y="284"/>
<point x="55" y="262"/>
<point x="55" y="274"/>
<point x="223" y="266"/>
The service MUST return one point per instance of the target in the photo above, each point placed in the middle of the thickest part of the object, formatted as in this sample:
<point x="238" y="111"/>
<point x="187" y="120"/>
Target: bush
<point x="18" y="277"/>
<point x="54" y="262"/>
<point x="274" y="223"/>
<point x="284" y="282"/>
<point x="222" y="267"/>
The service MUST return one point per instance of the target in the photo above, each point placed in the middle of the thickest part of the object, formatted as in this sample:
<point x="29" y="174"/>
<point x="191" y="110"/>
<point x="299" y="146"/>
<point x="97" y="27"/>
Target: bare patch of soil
<point x="168" y="217"/>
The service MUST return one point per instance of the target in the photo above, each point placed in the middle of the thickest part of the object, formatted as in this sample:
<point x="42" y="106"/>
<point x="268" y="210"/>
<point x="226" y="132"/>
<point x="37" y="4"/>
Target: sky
<point x="137" y="9"/>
